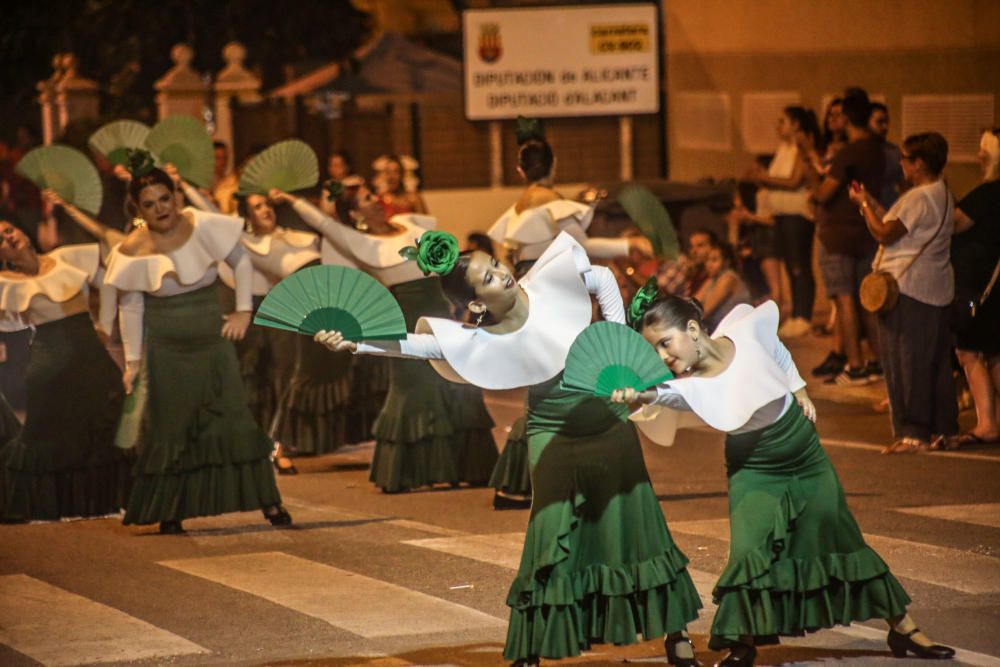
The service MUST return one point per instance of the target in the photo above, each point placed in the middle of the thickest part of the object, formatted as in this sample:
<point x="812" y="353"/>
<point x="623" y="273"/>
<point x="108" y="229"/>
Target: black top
<point x="974" y="253"/>
<point x="842" y="230"/>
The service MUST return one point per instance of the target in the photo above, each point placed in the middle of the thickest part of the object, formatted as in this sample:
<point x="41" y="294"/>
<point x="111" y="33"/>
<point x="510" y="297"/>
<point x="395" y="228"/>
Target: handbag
<point x="966" y="309"/>
<point x="880" y="289"/>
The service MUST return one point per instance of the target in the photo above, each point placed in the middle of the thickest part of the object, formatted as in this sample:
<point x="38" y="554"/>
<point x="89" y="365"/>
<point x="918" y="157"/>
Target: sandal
<point x="906" y="446"/>
<point x="953" y="442"/>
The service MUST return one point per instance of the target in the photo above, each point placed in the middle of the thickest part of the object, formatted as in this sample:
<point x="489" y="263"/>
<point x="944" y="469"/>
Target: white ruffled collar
<point x="559" y="309"/>
<point x="381" y="252"/>
<point x="74" y="266"/>
<point x="753" y="378"/>
<point x="540" y="224"/>
<point x="292" y="238"/>
<point x="213" y="238"/>
<point x="274" y="257"/>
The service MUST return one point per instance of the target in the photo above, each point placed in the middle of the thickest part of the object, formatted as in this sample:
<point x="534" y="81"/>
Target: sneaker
<point x="874" y="370"/>
<point x="850" y="377"/>
<point x="833" y="364"/>
<point x="794" y="328"/>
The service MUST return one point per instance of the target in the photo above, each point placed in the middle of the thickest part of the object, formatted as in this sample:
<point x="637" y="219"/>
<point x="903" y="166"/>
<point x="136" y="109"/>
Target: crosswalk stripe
<point x="854" y="444"/>
<point x="57" y="627"/>
<point x="367" y="607"/>
<point x="981" y="514"/>
<point x="942" y="566"/>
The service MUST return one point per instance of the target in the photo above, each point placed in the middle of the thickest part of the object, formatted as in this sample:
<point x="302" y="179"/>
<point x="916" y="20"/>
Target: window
<point x="960" y="118"/>
<point x="702" y="120"/>
<point x="759" y="119"/>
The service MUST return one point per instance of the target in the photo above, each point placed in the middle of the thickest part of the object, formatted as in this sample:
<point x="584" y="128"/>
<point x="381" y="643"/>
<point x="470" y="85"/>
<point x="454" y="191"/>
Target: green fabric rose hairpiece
<point x="139" y="162"/>
<point x="334" y="190"/>
<point x="528" y="129"/>
<point x="435" y="252"/>
<point x="641" y="302"/>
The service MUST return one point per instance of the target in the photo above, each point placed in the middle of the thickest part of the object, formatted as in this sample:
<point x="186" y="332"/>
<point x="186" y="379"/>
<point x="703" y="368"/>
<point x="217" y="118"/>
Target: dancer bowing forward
<point x="599" y="564"/>
<point x="200" y="451"/>
<point x="797" y="560"/>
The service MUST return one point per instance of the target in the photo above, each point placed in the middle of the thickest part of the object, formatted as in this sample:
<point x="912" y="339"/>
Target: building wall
<point x="816" y="48"/>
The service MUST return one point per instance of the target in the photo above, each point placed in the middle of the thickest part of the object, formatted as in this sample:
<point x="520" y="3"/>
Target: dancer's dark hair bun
<point x="673" y="312"/>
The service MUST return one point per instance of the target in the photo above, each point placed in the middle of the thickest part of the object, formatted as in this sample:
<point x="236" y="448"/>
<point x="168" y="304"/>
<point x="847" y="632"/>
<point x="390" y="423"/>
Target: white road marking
<point x="854" y="444"/>
<point x="982" y="514"/>
<point x="367" y="607"/>
<point x="57" y="627"/>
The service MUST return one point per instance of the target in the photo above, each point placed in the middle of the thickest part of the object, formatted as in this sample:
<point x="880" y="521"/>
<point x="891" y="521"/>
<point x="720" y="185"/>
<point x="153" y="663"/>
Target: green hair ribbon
<point x="641" y="302"/>
<point x="139" y="162"/>
<point x="527" y="129"/>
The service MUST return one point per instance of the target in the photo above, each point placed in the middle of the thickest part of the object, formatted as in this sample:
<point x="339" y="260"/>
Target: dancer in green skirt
<point x="797" y="559"/>
<point x="200" y="452"/>
<point x="425" y="433"/>
<point x="525" y="230"/>
<point x="64" y="462"/>
<point x="599" y="564"/>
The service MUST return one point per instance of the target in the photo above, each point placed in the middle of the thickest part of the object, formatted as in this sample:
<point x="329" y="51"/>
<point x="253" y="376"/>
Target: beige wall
<point x="818" y="47"/>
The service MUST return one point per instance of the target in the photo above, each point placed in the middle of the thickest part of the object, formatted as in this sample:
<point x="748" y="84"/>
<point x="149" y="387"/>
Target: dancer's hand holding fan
<point x="286" y="166"/>
<point x="608" y="356"/>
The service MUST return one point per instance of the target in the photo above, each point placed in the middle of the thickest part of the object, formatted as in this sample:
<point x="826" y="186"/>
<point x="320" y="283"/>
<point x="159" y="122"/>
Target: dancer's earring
<point x="479" y="320"/>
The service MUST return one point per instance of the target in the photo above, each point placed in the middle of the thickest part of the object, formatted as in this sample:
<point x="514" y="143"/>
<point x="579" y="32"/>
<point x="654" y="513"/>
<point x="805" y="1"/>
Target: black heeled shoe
<point x="670" y="645"/>
<point x="279" y="516"/>
<point x="171" y="528"/>
<point x="739" y="656"/>
<point x="900" y="644"/>
<point x="504" y="502"/>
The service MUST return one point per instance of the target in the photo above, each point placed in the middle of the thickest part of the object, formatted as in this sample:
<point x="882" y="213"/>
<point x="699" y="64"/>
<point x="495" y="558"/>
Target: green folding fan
<point x="287" y="165"/>
<point x="183" y="142"/>
<point x="333" y="298"/>
<point x="67" y="171"/>
<point x="652" y="219"/>
<point x="608" y="356"/>
<point x="114" y="140"/>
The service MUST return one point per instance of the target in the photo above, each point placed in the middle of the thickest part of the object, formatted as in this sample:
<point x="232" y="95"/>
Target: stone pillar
<point x="77" y="98"/>
<point x="47" y="100"/>
<point x="625" y="142"/>
<point x="496" y="154"/>
<point x="181" y="90"/>
<point x="234" y="81"/>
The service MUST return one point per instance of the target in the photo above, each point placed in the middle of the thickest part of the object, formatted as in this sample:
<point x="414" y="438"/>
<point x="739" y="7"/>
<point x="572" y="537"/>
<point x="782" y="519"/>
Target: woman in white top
<point x="64" y="463"/>
<point x="427" y="432"/>
<point x="200" y="452"/>
<point x="598" y="564"/>
<point x="797" y="560"/>
<point x="526" y="230"/>
<point x="915" y="336"/>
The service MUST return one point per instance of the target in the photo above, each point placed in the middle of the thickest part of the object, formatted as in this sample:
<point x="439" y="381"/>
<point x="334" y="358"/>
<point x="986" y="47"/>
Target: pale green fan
<point x="652" y="219"/>
<point x="183" y="142"/>
<point x="333" y="298"/>
<point x="608" y="356"/>
<point x="114" y="140"/>
<point x="287" y="165"/>
<point x="67" y="171"/>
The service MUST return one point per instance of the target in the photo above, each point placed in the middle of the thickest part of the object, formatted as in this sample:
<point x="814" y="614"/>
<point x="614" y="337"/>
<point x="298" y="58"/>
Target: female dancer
<point x="797" y="560"/>
<point x="64" y="463"/>
<point x="599" y="564"/>
<point x="200" y="452"/>
<point x="427" y="432"/>
<point x="526" y="229"/>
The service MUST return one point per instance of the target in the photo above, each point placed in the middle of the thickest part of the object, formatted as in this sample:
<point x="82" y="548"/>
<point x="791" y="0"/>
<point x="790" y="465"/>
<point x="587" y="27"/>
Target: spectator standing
<point x="786" y="192"/>
<point x="846" y="247"/>
<point x="915" y="334"/>
<point x="834" y="131"/>
<point x="892" y="179"/>
<point x="975" y="255"/>
<point x="226" y="182"/>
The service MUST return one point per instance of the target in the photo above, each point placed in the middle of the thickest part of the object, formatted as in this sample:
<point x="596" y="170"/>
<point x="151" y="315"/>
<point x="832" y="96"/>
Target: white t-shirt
<point x="930" y="279"/>
<point x="775" y="201"/>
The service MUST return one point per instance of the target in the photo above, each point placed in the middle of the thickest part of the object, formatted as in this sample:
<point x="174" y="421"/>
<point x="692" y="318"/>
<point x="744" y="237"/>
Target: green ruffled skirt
<point x="512" y="474"/>
<point x="200" y="452"/>
<point x="370" y="386"/>
<point x="424" y="435"/>
<point x="599" y="564"/>
<point x="256" y="362"/>
<point x="313" y="387"/>
<point x="64" y="463"/>
<point x="797" y="560"/>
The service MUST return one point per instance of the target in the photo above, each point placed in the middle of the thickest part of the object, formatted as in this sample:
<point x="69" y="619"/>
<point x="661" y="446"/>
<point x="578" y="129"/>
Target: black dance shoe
<point x="900" y="644"/>
<point x="739" y="656"/>
<point x="171" y="528"/>
<point x="671" y="647"/>
<point x="525" y="662"/>
<point x="278" y="516"/>
<point x="505" y="502"/>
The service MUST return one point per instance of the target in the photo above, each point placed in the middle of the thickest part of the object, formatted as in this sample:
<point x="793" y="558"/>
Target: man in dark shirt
<point x="846" y="247"/>
<point x="892" y="179"/>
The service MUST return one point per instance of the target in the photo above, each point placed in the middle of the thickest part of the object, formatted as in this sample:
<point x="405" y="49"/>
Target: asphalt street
<point x="420" y="579"/>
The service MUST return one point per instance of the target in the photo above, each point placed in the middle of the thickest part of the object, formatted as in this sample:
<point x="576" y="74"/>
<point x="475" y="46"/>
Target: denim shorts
<point x="842" y="274"/>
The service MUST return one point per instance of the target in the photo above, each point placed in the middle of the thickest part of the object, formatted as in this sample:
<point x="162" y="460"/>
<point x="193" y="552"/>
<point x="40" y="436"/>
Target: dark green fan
<point x="652" y="219"/>
<point x="67" y="171"/>
<point x="608" y="356"/>
<point x="183" y="142"/>
<point x="333" y="298"/>
<point x="115" y="139"/>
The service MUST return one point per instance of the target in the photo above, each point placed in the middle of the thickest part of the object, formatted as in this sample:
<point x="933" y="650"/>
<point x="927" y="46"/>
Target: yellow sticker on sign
<point x="619" y="38"/>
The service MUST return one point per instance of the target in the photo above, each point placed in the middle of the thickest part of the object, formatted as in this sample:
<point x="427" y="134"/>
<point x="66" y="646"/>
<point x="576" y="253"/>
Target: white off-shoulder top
<point x="531" y="231"/>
